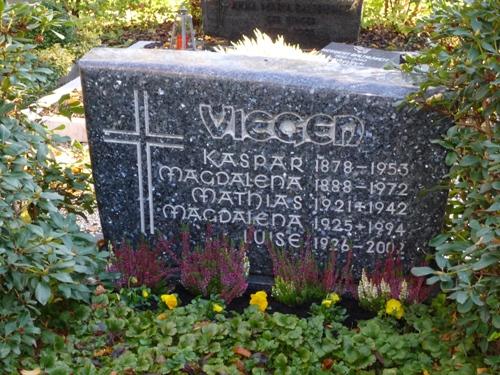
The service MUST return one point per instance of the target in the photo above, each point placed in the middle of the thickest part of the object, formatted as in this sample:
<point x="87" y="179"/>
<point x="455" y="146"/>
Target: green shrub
<point x="43" y="255"/>
<point x="87" y="36"/>
<point x="61" y="25"/>
<point x="57" y="58"/>
<point x="124" y="12"/>
<point x="400" y="15"/>
<point x="465" y="61"/>
<point x="22" y="29"/>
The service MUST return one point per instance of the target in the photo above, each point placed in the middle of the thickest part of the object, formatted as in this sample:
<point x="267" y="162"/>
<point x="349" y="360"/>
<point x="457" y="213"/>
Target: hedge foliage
<point x="465" y="62"/>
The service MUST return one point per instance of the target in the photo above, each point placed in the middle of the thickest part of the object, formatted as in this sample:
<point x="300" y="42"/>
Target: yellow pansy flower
<point x="334" y="297"/>
<point x="170" y="300"/>
<point x="395" y="308"/>
<point x="331" y="299"/>
<point x="217" y="308"/>
<point x="259" y="299"/>
<point x="327" y="302"/>
<point x="145" y="293"/>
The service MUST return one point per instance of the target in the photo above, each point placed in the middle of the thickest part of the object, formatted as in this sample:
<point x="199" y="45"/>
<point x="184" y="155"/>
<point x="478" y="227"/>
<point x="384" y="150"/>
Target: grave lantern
<point x="183" y="35"/>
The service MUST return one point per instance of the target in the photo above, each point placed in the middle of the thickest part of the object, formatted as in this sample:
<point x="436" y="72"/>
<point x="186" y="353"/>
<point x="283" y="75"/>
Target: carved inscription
<point x="283" y="195"/>
<point x="287" y="127"/>
<point x="284" y="6"/>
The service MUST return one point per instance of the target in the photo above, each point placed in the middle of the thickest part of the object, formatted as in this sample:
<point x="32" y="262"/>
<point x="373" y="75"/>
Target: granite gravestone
<point x="289" y="147"/>
<point x="312" y="23"/>
<point x="348" y="54"/>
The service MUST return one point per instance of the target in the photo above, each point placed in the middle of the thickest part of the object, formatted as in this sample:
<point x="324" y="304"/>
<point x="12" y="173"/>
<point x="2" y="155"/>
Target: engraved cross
<point x="144" y="140"/>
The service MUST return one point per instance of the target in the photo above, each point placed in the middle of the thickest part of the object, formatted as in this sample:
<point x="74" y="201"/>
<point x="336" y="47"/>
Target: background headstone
<point x="290" y="147"/>
<point x="312" y="23"/>
<point x="351" y="55"/>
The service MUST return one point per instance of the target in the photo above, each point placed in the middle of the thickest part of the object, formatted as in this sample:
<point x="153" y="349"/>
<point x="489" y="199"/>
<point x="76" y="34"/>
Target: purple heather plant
<point x="217" y="268"/>
<point x="300" y="279"/>
<point x="143" y="266"/>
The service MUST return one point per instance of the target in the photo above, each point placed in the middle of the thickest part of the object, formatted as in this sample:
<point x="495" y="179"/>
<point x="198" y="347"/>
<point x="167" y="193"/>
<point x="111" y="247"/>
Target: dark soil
<point x="387" y="38"/>
<point x="354" y="312"/>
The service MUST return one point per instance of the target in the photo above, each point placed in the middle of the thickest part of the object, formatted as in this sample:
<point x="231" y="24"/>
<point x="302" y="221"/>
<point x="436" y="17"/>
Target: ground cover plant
<point x="199" y="338"/>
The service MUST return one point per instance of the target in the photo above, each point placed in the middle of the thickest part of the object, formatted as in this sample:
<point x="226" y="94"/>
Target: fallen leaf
<point x="240" y="366"/>
<point x="446" y="336"/>
<point x="36" y="371"/>
<point x="327" y="364"/>
<point x="201" y="324"/>
<point x="100" y="290"/>
<point x="482" y="370"/>
<point x="242" y="351"/>
<point x="162" y="316"/>
<point x="97" y="306"/>
<point x="104" y="351"/>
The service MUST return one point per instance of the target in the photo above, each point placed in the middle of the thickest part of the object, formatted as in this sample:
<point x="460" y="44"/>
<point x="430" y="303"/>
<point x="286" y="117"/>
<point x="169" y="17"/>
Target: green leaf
<point x="51" y="195"/>
<point x="43" y="292"/>
<point x="451" y="158"/>
<point x="59" y="35"/>
<point x="4" y="350"/>
<point x="476" y="25"/>
<point x="422" y="271"/>
<point x="62" y="276"/>
<point x="496" y="321"/>
<point x="281" y="361"/>
<point x="485" y="261"/>
<point x="488" y="47"/>
<point x="441" y="261"/>
<point x="432" y="280"/>
<point x="470" y="160"/>
<point x="4" y="133"/>
<point x="481" y="92"/>
<point x="494" y="207"/>
<point x="438" y="240"/>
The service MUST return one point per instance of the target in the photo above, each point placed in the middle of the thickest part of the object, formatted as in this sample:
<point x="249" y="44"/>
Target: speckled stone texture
<point x="296" y="149"/>
<point x="312" y="23"/>
<point x="348" y="54"/>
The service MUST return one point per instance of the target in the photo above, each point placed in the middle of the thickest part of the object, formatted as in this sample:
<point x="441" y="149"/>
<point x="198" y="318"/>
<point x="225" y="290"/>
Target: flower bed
<point x="203" y="337"/>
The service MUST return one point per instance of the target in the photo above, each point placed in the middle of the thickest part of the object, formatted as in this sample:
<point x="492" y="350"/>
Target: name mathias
<point x="311" y="7"/>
